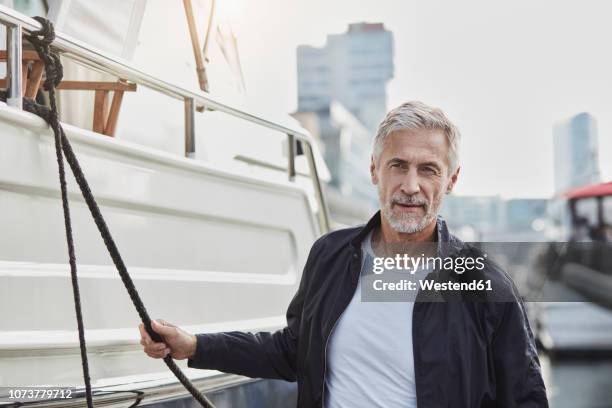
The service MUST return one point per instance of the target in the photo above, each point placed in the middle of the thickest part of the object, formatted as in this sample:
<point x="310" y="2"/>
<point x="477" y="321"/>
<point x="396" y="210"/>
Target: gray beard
<point x="407" y="224"/>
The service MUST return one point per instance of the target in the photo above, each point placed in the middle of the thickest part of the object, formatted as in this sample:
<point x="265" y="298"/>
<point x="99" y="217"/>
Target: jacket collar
<point x="446" y="242"/>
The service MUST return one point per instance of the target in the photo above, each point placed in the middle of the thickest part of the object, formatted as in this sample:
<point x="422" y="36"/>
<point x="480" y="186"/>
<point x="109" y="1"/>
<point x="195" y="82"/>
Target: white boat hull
<point x="208" y="249"/>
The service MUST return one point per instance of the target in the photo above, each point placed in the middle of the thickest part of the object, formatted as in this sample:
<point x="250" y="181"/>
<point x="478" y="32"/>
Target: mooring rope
<point x="41" y="40"/>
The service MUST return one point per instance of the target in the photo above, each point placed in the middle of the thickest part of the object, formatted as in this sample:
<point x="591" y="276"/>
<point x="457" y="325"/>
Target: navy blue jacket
<point x="469" y="351"/>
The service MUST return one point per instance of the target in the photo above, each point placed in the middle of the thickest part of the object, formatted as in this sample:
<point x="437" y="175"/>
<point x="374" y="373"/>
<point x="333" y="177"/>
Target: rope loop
<point x="41" y="40"/>
<point x="46" y="34"/>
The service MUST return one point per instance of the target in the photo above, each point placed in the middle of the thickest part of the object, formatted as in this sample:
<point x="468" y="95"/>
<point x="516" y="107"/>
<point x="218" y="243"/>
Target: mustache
<point x="409" y="200"/>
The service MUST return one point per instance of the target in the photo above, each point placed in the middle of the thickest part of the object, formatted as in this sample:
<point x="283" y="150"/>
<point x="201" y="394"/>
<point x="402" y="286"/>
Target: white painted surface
<point x="208" y="248"/>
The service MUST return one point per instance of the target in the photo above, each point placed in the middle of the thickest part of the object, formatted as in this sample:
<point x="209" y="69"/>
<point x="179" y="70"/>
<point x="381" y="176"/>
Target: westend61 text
<point x="412" y="263"/>
<point x="427" y="284"/>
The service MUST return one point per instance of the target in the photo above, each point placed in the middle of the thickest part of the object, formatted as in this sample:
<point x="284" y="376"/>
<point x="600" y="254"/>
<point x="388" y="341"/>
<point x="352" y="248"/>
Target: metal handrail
<point x="96" y="59"/>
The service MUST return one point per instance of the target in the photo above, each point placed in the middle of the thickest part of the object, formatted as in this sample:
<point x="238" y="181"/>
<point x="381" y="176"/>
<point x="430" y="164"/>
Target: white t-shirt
<point x="370" y="361"/>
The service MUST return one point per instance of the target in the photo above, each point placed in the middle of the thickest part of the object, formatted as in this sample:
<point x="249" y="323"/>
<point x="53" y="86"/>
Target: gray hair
<point x="417" y="115"/>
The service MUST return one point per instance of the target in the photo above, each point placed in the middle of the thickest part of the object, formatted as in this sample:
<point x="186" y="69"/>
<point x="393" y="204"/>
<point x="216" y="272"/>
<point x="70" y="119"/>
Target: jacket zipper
<point x="325" y="360"/>
<point x="358" y="257"/>
<point x="414" y="354"/>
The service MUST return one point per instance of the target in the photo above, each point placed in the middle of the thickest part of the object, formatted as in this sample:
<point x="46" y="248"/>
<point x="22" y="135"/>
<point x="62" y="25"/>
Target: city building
<point x="493" y="218"/>
<point x="342" y="96"/>
<point x="524" y="214"/>
<point x="575" y="152"/>
<point x="479" y="213"/>
<point x="352" y="68"/>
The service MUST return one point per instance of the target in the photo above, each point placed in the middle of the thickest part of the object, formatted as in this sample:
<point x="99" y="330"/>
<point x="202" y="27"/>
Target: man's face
<point x="412" y="175"/>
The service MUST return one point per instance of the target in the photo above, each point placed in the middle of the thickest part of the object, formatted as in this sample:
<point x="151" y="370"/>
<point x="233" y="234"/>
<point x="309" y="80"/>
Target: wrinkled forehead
<point x="416" y="145"/>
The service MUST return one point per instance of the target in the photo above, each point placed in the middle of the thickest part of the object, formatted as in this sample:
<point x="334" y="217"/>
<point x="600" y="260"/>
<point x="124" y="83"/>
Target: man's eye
<point x="430" y="170"/>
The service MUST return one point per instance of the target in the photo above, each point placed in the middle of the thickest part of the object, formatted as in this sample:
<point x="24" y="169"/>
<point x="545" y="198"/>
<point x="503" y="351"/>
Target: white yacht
<point x="213" y="205"/>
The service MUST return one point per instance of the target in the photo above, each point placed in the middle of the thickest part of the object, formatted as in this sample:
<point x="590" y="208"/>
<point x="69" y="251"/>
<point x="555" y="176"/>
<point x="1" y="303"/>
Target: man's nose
<point x="410" y="183"/>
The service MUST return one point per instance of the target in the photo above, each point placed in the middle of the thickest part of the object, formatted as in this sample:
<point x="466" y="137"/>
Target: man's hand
<point x="176" y="342"/>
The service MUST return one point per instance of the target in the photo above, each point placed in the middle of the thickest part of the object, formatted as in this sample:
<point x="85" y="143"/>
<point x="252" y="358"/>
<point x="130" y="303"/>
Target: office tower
<point x="353" y="68"/>
<point x="575" y="152"/>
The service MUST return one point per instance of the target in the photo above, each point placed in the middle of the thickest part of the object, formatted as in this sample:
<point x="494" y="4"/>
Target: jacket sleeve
<point x="260" y="355"/>
<point x="517" y="367"/>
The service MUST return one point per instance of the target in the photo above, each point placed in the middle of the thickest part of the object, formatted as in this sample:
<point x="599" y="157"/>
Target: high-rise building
<point x="483" y="213"/>
<point x="342" y="96"/>
<point x="493" y="218"/>
<point x="353" y="68"/>
<point x="575" y="152"/>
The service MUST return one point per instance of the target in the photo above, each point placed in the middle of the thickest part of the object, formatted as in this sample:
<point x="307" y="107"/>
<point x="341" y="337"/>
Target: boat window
<point x="586" y="212"/>
<point x="607" y="210"/>
<point x="607" y="218"/>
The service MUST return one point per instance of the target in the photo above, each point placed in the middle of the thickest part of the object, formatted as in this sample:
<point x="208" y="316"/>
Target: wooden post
<point x="100" y="111"/>
<point x="34" y="80"/>
<point x="113" y="115"/>
<point x="24" y="77"/>
<point x="195" y="44"/>
<point x="104" y="120"/>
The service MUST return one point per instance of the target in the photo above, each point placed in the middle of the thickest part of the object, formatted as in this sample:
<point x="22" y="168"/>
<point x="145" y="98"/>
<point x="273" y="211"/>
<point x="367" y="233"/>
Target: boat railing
<point x="17" y="23"/>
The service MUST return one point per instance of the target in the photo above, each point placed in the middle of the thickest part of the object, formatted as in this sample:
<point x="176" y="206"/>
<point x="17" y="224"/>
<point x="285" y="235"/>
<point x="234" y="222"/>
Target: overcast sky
<point x="504" y="72"/>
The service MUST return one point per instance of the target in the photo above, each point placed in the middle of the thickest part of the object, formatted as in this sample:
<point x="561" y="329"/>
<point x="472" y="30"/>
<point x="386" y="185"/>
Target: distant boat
<point x="582" y="255"/>
<point x="572" y="313"/>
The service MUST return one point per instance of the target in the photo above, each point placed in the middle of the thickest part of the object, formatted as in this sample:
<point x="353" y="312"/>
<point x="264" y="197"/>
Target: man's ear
<point x="453" y="180"/>
<point x="373" y="169"/>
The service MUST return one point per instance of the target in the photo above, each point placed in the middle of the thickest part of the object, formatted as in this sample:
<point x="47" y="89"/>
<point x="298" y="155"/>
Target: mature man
<point x="346" y="352"/>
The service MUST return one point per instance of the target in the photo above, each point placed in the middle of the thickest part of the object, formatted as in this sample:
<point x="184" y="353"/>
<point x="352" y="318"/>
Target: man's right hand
<point x="176" y="342"/>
